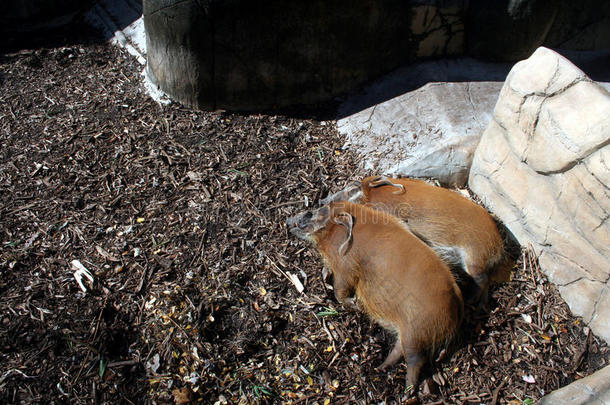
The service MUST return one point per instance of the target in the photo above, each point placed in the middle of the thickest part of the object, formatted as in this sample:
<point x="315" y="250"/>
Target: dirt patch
<point x="179" y="216"/>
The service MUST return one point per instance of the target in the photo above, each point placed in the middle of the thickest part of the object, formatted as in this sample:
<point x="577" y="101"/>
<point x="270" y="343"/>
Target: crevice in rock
<point x="548" y="219"/>
<point x="603" y="184"/>
<point x="572" y="219"/>
<point x="596" y="304"/>
<point x="498" y="166"/>
<point x="569" y="283"/>
<point x="557" y="92"/>
<point x="370" y="118"/>
<point x="469" y="94"/>
<point x="584" y="269"/>
<point x="593" y="198"/>
<point x="575" y="162"/>
<point x="534" y="127"/>
<point x="504" y="130"/>
<point x="581" y="278"/>
<point x="176" y="3"/>
<point x="553" y="78"/>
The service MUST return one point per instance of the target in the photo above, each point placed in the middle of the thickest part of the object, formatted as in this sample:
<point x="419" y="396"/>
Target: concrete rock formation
<point x="594" y="389"/>
<point x="431" y="132"/>
<point x="543" y="167"/>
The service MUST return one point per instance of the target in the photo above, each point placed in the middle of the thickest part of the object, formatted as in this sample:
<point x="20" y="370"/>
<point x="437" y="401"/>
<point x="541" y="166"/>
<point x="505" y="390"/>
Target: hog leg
<point x="393" y="356"/>
<point x="415" y="361"/>
<point x="344" y="290"/>
<point x="481" y="279"/>
<point x="414" y="357"/>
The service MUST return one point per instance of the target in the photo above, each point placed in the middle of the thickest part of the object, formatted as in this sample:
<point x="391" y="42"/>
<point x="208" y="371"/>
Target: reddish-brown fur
<point x="398" y="280"/>
<point x="440" y="217"/>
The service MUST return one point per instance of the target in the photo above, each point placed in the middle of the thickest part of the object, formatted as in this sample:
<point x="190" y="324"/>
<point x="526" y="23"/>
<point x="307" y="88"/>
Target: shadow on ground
<point x="25" y="26"/>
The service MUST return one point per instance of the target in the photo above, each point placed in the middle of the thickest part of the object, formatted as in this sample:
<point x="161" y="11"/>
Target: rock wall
<point x="244" y="55"/>
<point x="240" y="55"/>
<point x="23" y="16"/>
<point x="580" y="25"/>
<point x="543" y="167"/>
<point x="508" y="29"/>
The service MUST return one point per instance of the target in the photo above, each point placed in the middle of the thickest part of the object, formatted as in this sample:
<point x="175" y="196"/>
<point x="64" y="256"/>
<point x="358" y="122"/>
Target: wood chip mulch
<point x="178" y="215"/>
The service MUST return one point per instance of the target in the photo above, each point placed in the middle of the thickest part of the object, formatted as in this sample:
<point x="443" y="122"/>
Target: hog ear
<point x="384" y="181"/>
<point x="341" y="195"/>
<point x="347" y="221"/>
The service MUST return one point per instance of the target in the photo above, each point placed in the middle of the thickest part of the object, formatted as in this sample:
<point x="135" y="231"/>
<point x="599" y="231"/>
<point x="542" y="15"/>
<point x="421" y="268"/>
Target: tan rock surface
<point x="594" y="389"/>
<point x="542" y="167"/>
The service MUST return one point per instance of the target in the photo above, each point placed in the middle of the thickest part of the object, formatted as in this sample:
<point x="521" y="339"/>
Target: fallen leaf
<point x="154" y="363"/>
<point x="529" y="379"/>
<point x="183" y="396"/>
<point x="106" y="255"/>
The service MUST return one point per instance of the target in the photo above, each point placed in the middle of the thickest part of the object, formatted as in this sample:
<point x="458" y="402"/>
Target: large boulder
<point x="543" y="167"/>
<point x="430" y="132"/>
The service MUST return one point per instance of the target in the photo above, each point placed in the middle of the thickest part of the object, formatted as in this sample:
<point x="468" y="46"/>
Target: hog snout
<point x="300" y="221"/>
<point x="305" y="219"/>
<point x="299" y="225"/>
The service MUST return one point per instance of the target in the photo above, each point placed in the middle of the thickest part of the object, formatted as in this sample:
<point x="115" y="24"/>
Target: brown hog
<point x="397" y="279"/>
<point x="459" y="230"/>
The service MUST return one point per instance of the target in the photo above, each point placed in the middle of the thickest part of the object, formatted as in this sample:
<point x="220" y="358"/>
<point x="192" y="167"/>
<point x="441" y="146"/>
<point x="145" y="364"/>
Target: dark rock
<point x="243" y="55"/>
<point x="582" y="25"/>
<point x="27" y="15"/>
<point x="508" y="30"/>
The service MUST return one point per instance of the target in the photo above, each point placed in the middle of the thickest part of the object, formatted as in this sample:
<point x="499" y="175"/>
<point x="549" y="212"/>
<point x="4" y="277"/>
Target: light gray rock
<point x="594" y="389"/>
<point x="430" y="131"/>
<point x="543" y="167"/>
